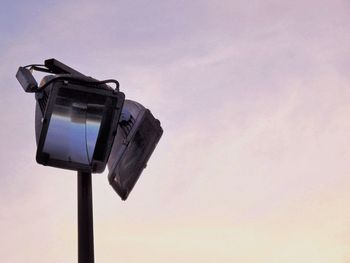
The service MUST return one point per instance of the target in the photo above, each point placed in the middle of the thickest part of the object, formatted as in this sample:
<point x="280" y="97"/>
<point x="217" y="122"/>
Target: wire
<point x="34" y="65"/>
<point x="43" y="68"/>
<point x="37" y="68"/>
<point x="80" y="80"/>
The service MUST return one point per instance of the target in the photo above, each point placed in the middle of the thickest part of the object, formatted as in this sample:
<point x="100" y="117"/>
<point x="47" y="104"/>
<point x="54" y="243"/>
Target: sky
<point x="253" y="97"/>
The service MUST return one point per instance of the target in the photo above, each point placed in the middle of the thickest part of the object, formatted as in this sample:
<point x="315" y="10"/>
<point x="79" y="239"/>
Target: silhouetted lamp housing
<point x="137" y="136"/>
<point x="82" y="123"/>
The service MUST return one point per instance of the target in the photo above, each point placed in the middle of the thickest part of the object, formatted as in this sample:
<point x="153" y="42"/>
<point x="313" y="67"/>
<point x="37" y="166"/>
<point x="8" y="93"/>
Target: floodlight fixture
<point x="76" y="118"/>
<point x="137" y="136"/>
<point x="77" y="125"/>
<point x="83" y="124"/>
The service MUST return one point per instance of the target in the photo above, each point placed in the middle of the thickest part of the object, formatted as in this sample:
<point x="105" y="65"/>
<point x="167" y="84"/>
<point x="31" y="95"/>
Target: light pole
<point x="82" y="124"/>
<point x="85" y="219"/>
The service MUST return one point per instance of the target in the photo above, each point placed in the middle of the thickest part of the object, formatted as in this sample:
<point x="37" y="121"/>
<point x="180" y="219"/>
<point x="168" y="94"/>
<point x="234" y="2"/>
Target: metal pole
<point x="85" y="219"/>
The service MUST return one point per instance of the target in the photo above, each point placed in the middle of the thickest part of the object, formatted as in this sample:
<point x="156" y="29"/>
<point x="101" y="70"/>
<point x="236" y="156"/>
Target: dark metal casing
<point x="26" y="79"/>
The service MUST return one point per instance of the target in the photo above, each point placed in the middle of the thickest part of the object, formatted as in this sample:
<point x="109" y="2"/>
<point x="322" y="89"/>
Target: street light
<point x="82" y="124"/>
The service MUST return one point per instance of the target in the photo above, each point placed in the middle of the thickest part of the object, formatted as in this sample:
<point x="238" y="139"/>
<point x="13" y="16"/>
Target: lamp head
<point x="76" y="117"/>
<point x="76" y="125"/>
<point x="137" y="136"/>
<point x="82" y="123"/>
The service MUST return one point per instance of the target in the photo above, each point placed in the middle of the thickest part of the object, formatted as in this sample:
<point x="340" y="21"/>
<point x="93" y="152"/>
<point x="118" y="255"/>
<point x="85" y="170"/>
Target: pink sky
<point x="254" y="162"/>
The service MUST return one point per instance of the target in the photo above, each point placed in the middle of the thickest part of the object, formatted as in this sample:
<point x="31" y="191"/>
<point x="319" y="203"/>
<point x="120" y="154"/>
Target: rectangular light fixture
<point x="136" y="140"/>
<point x="78" y="126"/>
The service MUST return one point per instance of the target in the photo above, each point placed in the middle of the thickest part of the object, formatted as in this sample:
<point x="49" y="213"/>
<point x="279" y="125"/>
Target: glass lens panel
<point x="135" y="158"/>
<point x="74" y="126"/>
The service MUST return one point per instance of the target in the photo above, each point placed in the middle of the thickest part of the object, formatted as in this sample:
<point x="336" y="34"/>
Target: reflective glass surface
<point x="127" y="168"/>
<point x="74" y="126"/>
